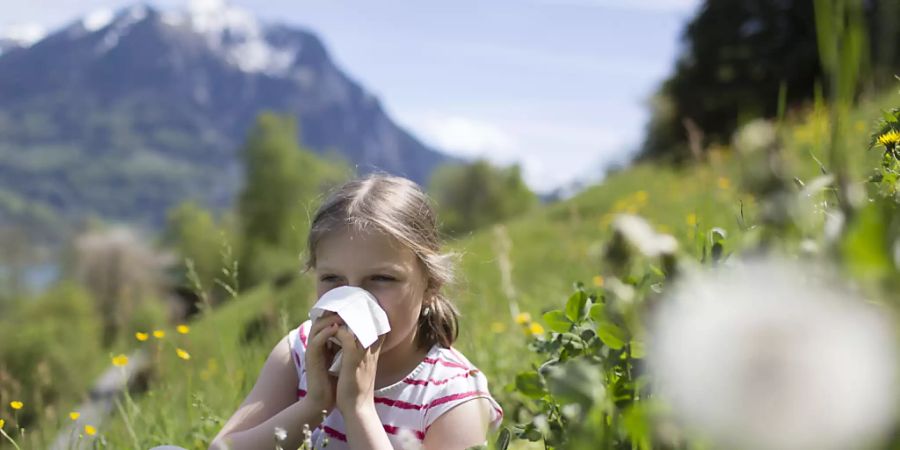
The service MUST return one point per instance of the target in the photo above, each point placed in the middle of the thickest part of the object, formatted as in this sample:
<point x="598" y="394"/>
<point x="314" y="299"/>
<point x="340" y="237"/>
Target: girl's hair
<point x="397" y="207"/>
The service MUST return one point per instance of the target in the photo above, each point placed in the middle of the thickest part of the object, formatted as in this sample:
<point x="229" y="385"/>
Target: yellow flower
<point x="724" y="183"/>
<point x="523" y="318"/>
<point x="598" y="281"/>
<point x="691" y="219"/>
<point x="535" y="329"/>
<point x="183" y="329"/>
<point x="141" y="336"/>
<point x="120" y="360"/>
<point x="641" y="196"/>
<point x="74" y="415"/>
<point x="17" y="405"/>
<point x="90" y="430"/>
<point x="182" y="354"/>
<point x="889" y="139"/>
<point x="2" y="422"/>
<point x="498" y="327"/>
<point x="159" y="334"/>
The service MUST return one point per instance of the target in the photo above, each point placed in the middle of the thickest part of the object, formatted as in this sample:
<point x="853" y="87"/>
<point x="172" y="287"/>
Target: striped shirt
<point x="407" y="408"/>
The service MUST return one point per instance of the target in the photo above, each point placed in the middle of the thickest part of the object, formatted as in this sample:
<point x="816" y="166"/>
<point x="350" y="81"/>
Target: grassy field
<point x="527" y="265"/>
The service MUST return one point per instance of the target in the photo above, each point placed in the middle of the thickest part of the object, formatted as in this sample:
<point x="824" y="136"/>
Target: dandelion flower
<point x="159" y="334"/>
<point x="889" y="139"/>
<point x="182" y="354"/>
<point x="90" y="430"/>
<point x="598" y="281"/>
<point x="535" y="329"/>
<point x="691" y="219"/>
<point x="120" y="360"/>
<point x="141" y="336"/>
<point x="724" y="183"/>
<point x="523" y="318"/>
<point x="74" y="415"/>
<point x="641" y="235"/>
<point x="2" y="422"/>
<point x="641" y="197"/>
<point x="183" y="329"/>
<point x="767" y="354"/>
<point x="498" y="327"/>
<point x="17" y="405"/>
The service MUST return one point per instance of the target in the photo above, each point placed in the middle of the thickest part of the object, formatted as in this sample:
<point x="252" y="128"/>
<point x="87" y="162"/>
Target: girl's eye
<point x="328" y="278"/>
<point x="384" y="278"/>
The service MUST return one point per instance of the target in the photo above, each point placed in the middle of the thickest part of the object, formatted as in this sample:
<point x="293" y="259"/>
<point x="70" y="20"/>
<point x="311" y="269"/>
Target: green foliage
<point x="283" y="182"/>
<point x="472" y="196"/>
<point x="192" y="232"/>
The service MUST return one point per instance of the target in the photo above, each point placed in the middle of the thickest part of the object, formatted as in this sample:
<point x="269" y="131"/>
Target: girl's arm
<point x="271" y="404"/>
<point x="464" y="426"/>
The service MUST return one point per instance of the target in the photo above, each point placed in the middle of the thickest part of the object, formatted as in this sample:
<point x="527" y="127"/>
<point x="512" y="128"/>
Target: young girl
<point x="409" y="389"/>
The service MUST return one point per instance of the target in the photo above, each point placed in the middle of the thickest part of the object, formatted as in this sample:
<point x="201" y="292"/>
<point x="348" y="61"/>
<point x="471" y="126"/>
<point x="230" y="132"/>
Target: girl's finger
<point x="324" y="322"/>
<point x="347" y="338"/>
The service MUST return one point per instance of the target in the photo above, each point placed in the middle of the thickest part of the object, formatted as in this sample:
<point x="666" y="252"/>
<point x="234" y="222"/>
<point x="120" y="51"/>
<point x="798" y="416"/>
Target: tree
<point x="282" y="184"/>
<point x="471" y="196"/>
<point x="738" y="56"/>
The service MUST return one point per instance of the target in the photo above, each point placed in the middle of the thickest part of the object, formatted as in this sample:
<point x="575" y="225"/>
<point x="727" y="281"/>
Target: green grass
<point x="549" y="249"/>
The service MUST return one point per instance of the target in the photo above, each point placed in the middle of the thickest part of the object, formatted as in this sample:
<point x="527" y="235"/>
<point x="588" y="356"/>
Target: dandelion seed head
<point x="767" y="354"/>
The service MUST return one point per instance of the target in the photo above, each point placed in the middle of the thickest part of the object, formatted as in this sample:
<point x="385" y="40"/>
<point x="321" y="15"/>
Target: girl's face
<point x="381" y="265"/>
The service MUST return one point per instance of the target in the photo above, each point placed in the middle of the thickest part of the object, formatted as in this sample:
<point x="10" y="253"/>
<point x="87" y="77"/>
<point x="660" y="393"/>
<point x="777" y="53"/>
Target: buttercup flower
<point x="17" y="405"/>
<point x="768" y="354"/>
<point x="120" y="360"/>
<point x="182" y="354"/>
<point x="90" y="430"/>
<point x="183" y="329"/>
<point x="141" y="336"/>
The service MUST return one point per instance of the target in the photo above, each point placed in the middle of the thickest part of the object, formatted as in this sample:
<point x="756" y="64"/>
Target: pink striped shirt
<point x="443" y="380"/>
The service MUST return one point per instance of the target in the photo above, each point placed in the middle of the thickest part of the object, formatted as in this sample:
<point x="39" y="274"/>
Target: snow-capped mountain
<point x="125" y="113"/>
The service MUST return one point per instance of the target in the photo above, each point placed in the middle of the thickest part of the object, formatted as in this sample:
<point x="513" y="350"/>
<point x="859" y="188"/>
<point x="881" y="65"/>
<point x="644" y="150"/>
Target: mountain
<point x="122" y="115"/>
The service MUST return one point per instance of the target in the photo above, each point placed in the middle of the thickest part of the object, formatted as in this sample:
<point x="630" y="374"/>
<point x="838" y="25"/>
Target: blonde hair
<point x="398" y="208"/>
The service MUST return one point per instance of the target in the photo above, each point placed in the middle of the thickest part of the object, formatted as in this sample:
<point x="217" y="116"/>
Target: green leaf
<point x="638" y="350"/>
<point x="611" y="335"/>
<point x="530" y="384"/>
<point x="557" y="321"/>
<point x="575" y="306"/>
<point x="503" y="439"/>
<point x="598" y="312"/>
<point x="865" y="247"/>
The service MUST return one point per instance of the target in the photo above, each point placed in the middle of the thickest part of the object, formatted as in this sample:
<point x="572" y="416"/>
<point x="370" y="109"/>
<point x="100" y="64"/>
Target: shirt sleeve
<point x="458" y="389"/>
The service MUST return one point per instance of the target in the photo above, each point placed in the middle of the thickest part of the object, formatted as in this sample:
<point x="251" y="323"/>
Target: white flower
<point x="641" y="235"/>
<point x="280" y="434"/>
<point x="408" y="440"/>
<point x="755" y="136"/>
<point x="769" y="355"/>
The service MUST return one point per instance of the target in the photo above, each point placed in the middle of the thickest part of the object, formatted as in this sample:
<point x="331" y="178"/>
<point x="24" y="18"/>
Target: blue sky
<point x="559" y="86"/>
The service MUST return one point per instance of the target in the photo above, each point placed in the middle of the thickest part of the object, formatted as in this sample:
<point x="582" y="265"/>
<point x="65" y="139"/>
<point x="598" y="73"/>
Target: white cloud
<point x="466" y="137"/>
<point x="98" y="19"/>
<point x="661" y="6"/>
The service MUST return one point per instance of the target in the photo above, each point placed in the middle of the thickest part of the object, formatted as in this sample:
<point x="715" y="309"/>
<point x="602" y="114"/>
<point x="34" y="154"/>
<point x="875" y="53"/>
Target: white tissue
<point x="360" y="312"/>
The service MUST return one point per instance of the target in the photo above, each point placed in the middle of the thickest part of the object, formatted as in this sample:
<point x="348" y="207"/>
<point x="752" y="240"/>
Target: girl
<point x="409" y="389"/>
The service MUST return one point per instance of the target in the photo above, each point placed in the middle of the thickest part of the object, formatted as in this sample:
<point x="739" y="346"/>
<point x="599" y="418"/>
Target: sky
<point x="558" y="86"/>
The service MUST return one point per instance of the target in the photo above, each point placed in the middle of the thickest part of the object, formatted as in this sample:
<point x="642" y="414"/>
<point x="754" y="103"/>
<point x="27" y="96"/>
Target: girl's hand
<point x="356" y="382"/>
<point x="321" y="386"/>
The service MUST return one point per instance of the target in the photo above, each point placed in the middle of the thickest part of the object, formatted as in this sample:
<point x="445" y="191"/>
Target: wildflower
<point x="498" y="327"/>
<point x="755" y="356"/>
<point x="90" y="430"/>
<point x="74" y="415"/>
<point x="17" y="405"/>
<point x="182" y="354"/>
<point x="120" y="360"/>
<point x="889" y="139"/>
<point x="523" y="318"/>
<point x="408" y="440"/>
<point x="641" y="197"/>
<point x="2" y="422"/>
<point x="724" y="183"/>
<point x="598" y="280"/>
<point x="535" y="329"/>
<point x="755" y="136"/>
<point x="641" y="235"/>
<point x="280" y="434"/>
<point x="183" y="329"/>
<point x="141" y="336"/>
<point x="159" y="334"/>
<point x="691" y="219"/>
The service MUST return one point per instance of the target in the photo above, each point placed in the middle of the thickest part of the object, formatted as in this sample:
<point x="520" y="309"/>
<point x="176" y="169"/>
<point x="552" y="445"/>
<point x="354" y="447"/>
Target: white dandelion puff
<point x="643" y="237"/>
<point x="770" y="355"/>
